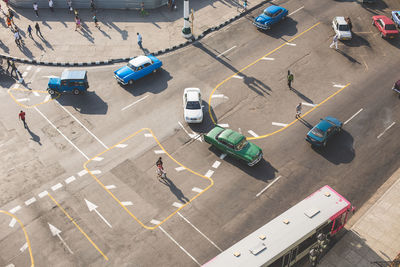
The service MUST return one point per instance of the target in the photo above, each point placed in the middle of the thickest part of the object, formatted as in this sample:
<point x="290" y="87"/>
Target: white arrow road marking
<point x="226" y="51"/>
<point x="308" y="104"/>
<point x="192" y="135"/>
<point x="268" y="58"/>
<point x="137" y="101"/>
<point x="12" y="223"/>
<point x="127" y="203"/>
<point x="216" y="164"/>
<point x="24" y="247"/>
<point x="223" y="125"/>
<point x="56" y="232"/>
<point x="121" y="145"/>
<point x="30" y="201"/>
<point x="56" y="187"/>
<point x="252" y="133"/>
<point x="23" y="99"/>
<point x="93" y="207"/>
<point x="291" y="44"/>
<point x="196" y="189"/>
<point x="209" y="173"/>
<point x="265" y="188"/>
<point x="14" y="210"/>
<point x="237" y="77"/>
<point x="379" y="136"/>
<point x="43" y="194"/>
<point x="82" y="173"/>
<point x="279" y="124"/>
<point x="111" y="186"/>
<point x="70" y="179"/>
<point x="179" y="169"/>
<point x="222" y="156"/>
<point x="352" y="117"/>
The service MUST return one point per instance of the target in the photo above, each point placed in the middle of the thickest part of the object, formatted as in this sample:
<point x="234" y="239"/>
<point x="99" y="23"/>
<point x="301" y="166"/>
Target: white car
<point x="341" y="28"/>
<point x="192" y="105"/>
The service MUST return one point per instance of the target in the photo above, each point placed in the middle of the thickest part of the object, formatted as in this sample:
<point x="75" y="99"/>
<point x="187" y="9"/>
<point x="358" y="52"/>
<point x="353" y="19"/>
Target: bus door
<point x="339" y="221"/>
<point x="290" y="258"/>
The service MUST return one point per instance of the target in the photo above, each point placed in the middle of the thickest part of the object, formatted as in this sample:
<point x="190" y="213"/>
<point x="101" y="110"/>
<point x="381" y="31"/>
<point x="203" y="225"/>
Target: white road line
<point x="22" y="99"/>
<point x="111" y="186"/>
<point x="47" y="98"/>
<point x="192" y="135"/>
<point x="196" y="189"/>
<point x="216" y="164"/>
<point x="137" y="101"/>
<point x="82" y="173"/>
<point x="308" y="104"/>
<point x="219" y="96"/>
<point x="222" y="156"/>
<point x="226" y="51"/>
<point x="224" y="125"/>
<point x="70" y="179"/>
<point x="96" y="172"/>
<point x="81" y="124"/>
<point x="279" y="124"/>
<point x="43" y="194"/>
<point x="29" y="68"/>
<point x="159" y="151"/>
<point x="184" y="250"/>
<point x="390" y="126"/>
<point x="36" y="93"/>
<point x="180" y="168"/>
<point x="98" y="159"/>
<point x="155" y="222"/>
<point x="352" y="117"/>
<point x="177" y="205"/>
<point x="268" y="58"/>
<point x="15" y="209"/>
<point x="296" y="11"/>
<point x="237" y="77"/>
<point x="24" y="74"/>
<point x="30" y="201"/>
<point x="338" y="85"/>
<point x="24" y="247"/>
<point x="291" y="44"/>
<point x="194" y="227"/>
<point x="12" y="222"/>
<point x="127" y="203"/>
<point x="148" y="135"/>
<point x="56" y="187"/>
<point x="121" y="145"/>
<point x="209" y="173"/>
<point x="69" y="141"/>
<point x="265" y="188"/>
<point x="252" y="133"/>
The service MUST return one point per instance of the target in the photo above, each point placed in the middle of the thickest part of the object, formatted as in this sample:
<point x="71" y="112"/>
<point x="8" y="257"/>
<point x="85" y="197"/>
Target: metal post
<point x="192" y="19"/>
<point x="186" y="31"/>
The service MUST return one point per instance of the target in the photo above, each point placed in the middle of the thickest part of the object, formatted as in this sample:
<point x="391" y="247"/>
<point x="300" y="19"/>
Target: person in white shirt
<point x="35" y="8"/>
<point x="51" y="5"/>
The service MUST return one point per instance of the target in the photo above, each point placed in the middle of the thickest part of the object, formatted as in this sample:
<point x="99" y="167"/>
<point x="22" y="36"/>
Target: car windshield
<point x="242" y="144"/>
<point x="390" y="27"/>
<point x="317" y="132"/>
<point x="193" y="105"/>
<point x="344" y="28"/>
<point x="331" y="122"/>
<point x="131" y="66"/>
<point x="269" y="14"/>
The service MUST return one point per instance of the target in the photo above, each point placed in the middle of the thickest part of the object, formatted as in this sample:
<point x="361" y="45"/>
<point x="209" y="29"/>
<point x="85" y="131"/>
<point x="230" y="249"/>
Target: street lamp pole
<point x="186" y="31"/>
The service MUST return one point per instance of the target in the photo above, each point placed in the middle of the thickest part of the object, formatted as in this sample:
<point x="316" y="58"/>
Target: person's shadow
<point x="175" y="190"/>
<point x="34" y="137"/>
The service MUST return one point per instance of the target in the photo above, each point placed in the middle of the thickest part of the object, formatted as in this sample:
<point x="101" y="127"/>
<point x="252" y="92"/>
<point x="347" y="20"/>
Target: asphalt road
<point x="121" y="215"/>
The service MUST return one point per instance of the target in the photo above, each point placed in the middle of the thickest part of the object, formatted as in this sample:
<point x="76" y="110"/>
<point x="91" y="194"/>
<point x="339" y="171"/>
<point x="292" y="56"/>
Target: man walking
<point x="139" y="40"/>
<point x="35" y="8"/>
<point x="9" y="64"/>
<point x="17" y="37"/>
<point x="22" y="117"/>
<point x="92" y="7"/>
<point x="334" y="43"/>
<point x="51" y="4"/>
<point x="30" y="31"/>
<point x="37" y="28"/>
<point x="13" y="69"/>
<point x="290" y="79"/>
<point x="298" y="111"/>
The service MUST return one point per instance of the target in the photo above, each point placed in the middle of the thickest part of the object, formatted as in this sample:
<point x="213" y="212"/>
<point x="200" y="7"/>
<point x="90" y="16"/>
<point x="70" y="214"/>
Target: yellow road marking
<point x="77" y="226"/>
<point x="119" y="202"/>
<point x="25" y="233"/>
<point x="27" y="90"/>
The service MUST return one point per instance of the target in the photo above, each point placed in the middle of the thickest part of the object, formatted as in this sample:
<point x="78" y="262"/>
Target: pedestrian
<point x="17" y="37"/>
<point x="93" y="8"/>
<point x="139" y="40"/>
<point x="78" y="23"/>
<point x="76" y="13"/>
<point x="30" y="31"/>
<point x="21" y="116"/>
<point x="69" y="3"/>
<point x="9" y="25"/>
<point x="96" y="21"/>
<point x="334" y="42"/>
<point x="6" y="1"/>
<point x="11" y="16"/>
<point x="298" y="111"/>
<point x="51" y="5"/>
<point x="37" y="28"/>
<point x="13" y="69"/>
<point x="290" y="79"/>
<point x="9" y="64"/>
<point x="245" y="5"/>
<point x="348" y="20"/>
<point x="35" y="8"/>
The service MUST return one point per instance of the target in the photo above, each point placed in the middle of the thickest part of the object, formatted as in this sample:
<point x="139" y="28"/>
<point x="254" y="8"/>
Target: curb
<point x="157" y="53"/>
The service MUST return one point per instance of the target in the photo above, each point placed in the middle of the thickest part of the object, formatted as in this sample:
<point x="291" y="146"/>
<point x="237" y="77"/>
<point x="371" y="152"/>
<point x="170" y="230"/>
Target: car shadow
<point x="378" y="5"/>
<point x="154" y="83"/>
<point x="86" y="103"/>
<point x="207" y="124"/>
<point x="287" y="27"/>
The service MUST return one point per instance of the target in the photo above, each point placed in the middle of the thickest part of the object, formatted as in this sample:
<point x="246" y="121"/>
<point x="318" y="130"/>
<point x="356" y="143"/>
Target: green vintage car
<point x="235" y="144"/>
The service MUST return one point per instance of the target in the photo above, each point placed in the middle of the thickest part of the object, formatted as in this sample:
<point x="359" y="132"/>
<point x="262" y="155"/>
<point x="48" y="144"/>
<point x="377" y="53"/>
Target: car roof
<point x="192" y="94"/>
<point x="230" y="137"/>
<point x="384" y="19"/>
<point x="139" y="61"/>
<point x="324" y="124"/>
<point x="341" y="20"/>
<point x="272" y="9"/>
<point x="73" y="74"/>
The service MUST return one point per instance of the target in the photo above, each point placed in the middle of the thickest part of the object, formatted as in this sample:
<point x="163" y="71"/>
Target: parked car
<point x="323" y="131"/>
<point x="270" y="16"/>
<point x="234" y="144"/>
<point x="70" y="81"/>
<point x="137" y="68"/>
<point x="385" y="26"/>
<point x="341" y="28"/>
<point x="192" y="105"/>
<point x="396" y="18"/>
<point x="396" y="87"/>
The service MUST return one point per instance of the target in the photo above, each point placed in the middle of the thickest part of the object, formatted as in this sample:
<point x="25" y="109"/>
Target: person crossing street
<point x="290" y="79"/>
<point x="139" y="40"/>
<point x="298" y="110"/>
<point x="37" y="28"/>
<point x="335" y="42"/>
<point x="21" y="117"/>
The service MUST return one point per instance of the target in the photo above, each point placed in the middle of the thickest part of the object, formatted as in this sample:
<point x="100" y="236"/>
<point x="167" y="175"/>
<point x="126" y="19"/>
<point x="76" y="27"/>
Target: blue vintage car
<point x="270" y="16"/>
<point x="323" y="131"/>
<point x="137" y="68"/>
<point x="396" y="18"/>
<point x="70" y="81"/>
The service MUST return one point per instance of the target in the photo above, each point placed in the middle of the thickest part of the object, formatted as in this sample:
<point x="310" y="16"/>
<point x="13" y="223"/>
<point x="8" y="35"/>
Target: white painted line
<point x="49" y="76"/>
<point x="338" y="85"/>
<point x="35" y="93"/>
<point x="111" y="186"/>
<point x="12" y="222"/>
<point x="69" y="141"/>
<point x="30" y="201"/>
<point x="15" y="209"/>
<point x="24" y="247"/>
<point x="216" y="164"/>
<point x="47" y="98"/>
<point x="121" y="145"/>
<point x="194" y="227"/>
<point x="179" y="169"/>
<point x="23" y="99"/>
<point x="43" y="194"/>
<point x="29" y="68"/>
<point x="127" y="203"/>
<point x="308" y="104"/>
<point x="226" y="51"/>
<point x="268" y="58"/>
<point x="223" y="125"/>
<point x="56" y="187"/>
<point x="155" y="222"/>
<point x="265" y="188"/>
<point x="192" y="135"/>
<point x="219" y="96"/>
<point x="222" y="156"/>
<point x="159" y="151"/>
<point x="148" y="135"/>
<point x="296" y="11"/>
<point x="70" y="179"/>
<point x="98" y="159"/>
<point x="137" y="101"/>
<point x="83" y="126"/>
<point x="279" y="124"/>
<point x="177" y="205"/>
<point x="252" y="133"/>
<point x="82" y="173"/>
<point x="390" y="126"/>
<point x="184" y="250"/>
<point x="237" y="77"/>
<point x="96" y="172"/>
<point x="16" y="86"/>
<point x="291" y="44"/>
<point x="352" y="117"/>
<point x="209" y="173"/>
<point x="24" y="74"/>
<point x="196" y="189"/>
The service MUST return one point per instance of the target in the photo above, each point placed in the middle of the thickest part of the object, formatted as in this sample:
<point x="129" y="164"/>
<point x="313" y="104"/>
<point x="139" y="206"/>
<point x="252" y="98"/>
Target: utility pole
<point x="186" y="31"/>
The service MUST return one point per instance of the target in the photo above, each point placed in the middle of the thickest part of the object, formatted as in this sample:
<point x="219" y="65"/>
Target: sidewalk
<point x="116" y="38"/>
<point x="373" y="240"/>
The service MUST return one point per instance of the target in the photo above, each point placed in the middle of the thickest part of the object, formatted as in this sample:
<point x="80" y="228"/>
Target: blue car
<point x="396" y="18"/>
<point x="137" y="68"/>
<point x="324" y="130"/>
<point x="75" y="81"/>
<point x="270" y="16"/>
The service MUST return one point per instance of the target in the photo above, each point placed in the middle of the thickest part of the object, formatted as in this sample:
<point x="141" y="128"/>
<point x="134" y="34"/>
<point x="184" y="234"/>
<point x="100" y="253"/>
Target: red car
<point x="385" y="26"/>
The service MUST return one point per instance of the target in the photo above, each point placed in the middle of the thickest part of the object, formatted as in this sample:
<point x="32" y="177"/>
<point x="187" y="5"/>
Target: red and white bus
<point x="305" y="229"/>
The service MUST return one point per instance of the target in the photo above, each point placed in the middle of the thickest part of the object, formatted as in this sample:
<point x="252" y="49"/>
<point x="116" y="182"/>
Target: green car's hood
<point x="251" y="150"/>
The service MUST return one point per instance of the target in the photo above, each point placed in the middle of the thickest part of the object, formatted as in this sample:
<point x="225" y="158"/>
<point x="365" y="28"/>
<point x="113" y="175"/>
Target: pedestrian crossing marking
<point x="155" y="222"/>
<point x="127" y="203"/>
<point x="279" y="124"/>
<point x="111" y="186"/>
<point x="252" y="133"/>
<point x="209" y="173"/>
<point x="177" y="205"/>
<point x="121" y="145"/>
<point x="196" y="189"/>
<point x="30" y="201"/>
<point x="12" y="222"/>
<point x="178" y="169"/>
<point x="82" y="173"/>
<point x="43" y="194"/>
<point x="70" y="179"/>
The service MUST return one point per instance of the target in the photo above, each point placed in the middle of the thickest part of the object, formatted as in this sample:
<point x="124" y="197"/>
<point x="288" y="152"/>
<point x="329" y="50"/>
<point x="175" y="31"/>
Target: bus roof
<point x="283" y="231"/>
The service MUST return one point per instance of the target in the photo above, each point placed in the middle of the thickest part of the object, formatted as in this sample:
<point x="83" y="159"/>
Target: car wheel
<point x="130" y="82"/>
<point x="284" y="17"/>
<point x="75" y="92"/>
<point x="51" y="91"/>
